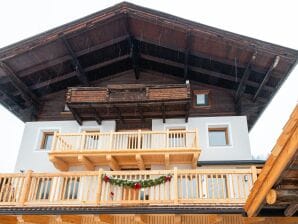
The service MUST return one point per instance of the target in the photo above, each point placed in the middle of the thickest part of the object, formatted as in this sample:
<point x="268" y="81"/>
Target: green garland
<point x="137" y="184"/>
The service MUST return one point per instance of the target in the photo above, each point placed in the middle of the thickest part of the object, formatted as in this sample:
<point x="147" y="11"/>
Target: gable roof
<point x="129" y="37"/>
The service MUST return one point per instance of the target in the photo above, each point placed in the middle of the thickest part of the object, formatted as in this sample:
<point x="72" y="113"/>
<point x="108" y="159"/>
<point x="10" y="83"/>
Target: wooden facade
<point x="129" y="38"/>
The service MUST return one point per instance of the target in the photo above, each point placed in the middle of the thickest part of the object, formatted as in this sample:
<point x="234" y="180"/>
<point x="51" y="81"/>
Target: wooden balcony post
<point x="167" y="139"/>
<point x="197" y="138"/>
<point x="53" y="147"/>
<point x="176" y="186"/>
<point x="139" y="139"/>
<point x="254" y="173"/>
<point x="83" y="141"/>
<point x="111" y="141"/>
<point x="98" y="192"/>
<point x="26" y="187"/>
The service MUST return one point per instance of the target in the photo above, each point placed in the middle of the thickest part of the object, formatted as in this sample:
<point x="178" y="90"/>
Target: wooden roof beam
<point x="186" y="54"/>
<point x="75" y="115"/>
<point x="135" y="57"/>
<point x="97" y="117"/>
<point x="112" y="162"/>
<point x="79" y="69"/>
<point x="86" y="162"/>
<point x="140" y="162"/>
<point x="267" y="76"/>
<point x="163" y="109"/>
<point x="241" y="87"/>
<point x="291" y="209"/>
<point x="119" y="114"/>
<point x="27" y="94"/>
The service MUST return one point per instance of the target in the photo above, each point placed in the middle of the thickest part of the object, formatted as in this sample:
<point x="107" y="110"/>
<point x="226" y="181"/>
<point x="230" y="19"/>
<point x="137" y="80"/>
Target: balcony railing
<point x="201" y="186"/>
<point x="127" y="148"/>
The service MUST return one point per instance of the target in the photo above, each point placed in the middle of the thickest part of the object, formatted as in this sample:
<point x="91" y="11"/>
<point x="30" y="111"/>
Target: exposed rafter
<point x="186" y="53"/>
<point x="75" y="115"/>
<point x="163" y="109"/>
<point x="241" y="87"/>
<point x="27" y="94"/>
<point x="135" y="57"/>
<point x="96" y="115"/>
<point x="267" y="76"/>
<point x="79" y="70"/>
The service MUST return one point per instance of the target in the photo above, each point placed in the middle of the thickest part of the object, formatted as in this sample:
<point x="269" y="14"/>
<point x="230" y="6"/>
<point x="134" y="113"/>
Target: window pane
<point x="201" y="99"/>
<point x="217" y="138"/>
<point x="48" y="141"/>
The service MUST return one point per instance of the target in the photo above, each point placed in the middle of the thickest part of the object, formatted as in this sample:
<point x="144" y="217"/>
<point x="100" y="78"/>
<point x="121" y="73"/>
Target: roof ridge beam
<point x="79" y="69"/>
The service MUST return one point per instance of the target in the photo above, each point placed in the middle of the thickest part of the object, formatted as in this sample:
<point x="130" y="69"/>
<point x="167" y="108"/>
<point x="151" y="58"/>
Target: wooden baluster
<point x="83" y="145"/>
<point x="167" y="139"/>
<point x="53" y="146"/>
<point x="175" y="179"/>
<point x="254" y="173"/>
<point x="26" y="187"/>
<point x="197" y="138"/>
<point x="111" y="141"/>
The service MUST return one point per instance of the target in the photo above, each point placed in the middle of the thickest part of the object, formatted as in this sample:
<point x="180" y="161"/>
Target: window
<point x="218" y="136"/>
<point x="201" y="98"/>
<point x="43" y="189"/>
<point x="47" y="139"/>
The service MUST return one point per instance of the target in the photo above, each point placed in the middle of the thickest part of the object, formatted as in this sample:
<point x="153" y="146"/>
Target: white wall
<point x="31" y="157"/>
<point x="239" y="147"/>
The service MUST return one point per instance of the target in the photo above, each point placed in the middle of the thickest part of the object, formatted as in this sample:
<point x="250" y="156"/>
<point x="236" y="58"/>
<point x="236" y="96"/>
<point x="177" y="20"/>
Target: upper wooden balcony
<point x="216" y="187"/>
<point x="129" y="101"/>
<point x="135" y="149"/>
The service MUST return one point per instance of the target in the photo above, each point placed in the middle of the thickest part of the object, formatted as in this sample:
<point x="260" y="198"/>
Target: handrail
<point x="200" y="186"/>
<point x="182" y="139"/>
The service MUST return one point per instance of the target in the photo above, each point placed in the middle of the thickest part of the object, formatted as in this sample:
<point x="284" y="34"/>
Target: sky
<point x="268" y="20"/>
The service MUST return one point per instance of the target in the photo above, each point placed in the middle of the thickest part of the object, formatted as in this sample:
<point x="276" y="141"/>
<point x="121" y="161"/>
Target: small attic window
<point x="201" y="98"/>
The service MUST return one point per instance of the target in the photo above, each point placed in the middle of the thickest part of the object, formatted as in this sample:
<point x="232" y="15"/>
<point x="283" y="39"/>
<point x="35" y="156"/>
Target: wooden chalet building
<point x="136" y="116"/>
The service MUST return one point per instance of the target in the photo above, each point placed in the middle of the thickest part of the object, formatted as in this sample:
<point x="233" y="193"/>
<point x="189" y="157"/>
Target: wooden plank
<point x="186" y="53"/>
<point x="59" y="163"/>
<point x="140" y="162"/>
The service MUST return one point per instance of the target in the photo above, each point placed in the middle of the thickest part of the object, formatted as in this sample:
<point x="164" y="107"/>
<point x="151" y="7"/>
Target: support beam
<point x="163" y="109"/>
<point x="195" y="160"/>
<point x="291" y="209"/>
<point x="241" y="87"/>
<point x="186" y="54"/>
<point x="97" y="117"/>
<point x="167" y="161"/>
<point x="141" y="112"/>
<point x="267" y="76"/>
<point x="59" y="163"/>
<point x="75" y="115"/>
<point x="140" y="162"/>
<point x="78" y="68"/>
<point x="280" y="195"/>
<point x="27" y="94"/>
<point x="86" y="162"/>
<point x="187" y="108"/>
<point x="140" y="219"/>
<point x="120" y="117"/>
<point x="112" y="162"/>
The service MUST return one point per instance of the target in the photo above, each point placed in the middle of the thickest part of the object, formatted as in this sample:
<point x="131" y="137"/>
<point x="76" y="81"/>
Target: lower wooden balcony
<point x="225" y="187"/>
<point x="128" y="150"/>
